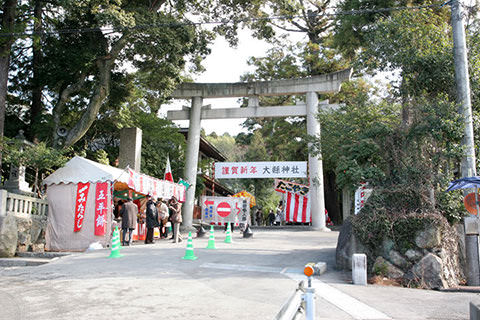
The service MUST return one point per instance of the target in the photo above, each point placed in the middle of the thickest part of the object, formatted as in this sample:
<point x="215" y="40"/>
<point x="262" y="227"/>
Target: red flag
<point x="168" y="171"/>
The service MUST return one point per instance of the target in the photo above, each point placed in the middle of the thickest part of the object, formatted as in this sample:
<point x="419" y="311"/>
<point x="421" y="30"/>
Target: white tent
<point x="79" y="169"/>
<point x="63" y="193"/>
<point x="62" y="197"/>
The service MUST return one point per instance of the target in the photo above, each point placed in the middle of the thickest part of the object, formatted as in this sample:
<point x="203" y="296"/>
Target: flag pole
<point x="476" y="199"/>
<point x="213" y="179"/>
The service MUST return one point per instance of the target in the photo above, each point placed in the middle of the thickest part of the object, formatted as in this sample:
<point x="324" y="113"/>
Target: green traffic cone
<point x="211" y="239"/>
<point x="189" y="255"/>
<point x="115" y="253"/>
<point x="228" y="238"/>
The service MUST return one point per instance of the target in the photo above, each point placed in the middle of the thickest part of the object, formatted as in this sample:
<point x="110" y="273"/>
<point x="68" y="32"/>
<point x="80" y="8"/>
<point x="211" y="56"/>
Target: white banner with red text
<point x="250" y="170"/>
<point x="361" y="195"/>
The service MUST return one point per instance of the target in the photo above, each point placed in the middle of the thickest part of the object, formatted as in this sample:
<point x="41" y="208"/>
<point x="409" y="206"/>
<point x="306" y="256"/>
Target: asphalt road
<point x="248" y="279"/>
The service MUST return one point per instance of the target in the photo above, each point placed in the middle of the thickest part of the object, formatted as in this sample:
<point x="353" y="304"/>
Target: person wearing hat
<point x="128" y="213"/>
<point x="151" y="219"/>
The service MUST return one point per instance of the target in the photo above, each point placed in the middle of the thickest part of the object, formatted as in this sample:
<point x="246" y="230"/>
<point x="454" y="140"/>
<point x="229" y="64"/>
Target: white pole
<point x="309" y="303"/>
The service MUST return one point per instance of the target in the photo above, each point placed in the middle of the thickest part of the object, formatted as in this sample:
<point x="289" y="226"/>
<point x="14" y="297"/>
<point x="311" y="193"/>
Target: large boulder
<point x="347" y="245"/>
<point x="387" y="246"/>
<point x="37" y="232"/>
<point x="8" y="236"/>
<point x="386" y="269"/>
<point x="24" y="225"/>
<point x="397" y="259"/>
<point x="429" y="238"/>
<point x="344" y="250"/>
<point x="429" y="271"/>
<point x="413" y="255"/>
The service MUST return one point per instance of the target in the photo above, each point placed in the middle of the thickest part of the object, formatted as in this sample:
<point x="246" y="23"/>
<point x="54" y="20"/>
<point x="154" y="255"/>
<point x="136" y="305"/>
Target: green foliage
<point x="353" y="32"/>
<point x="380" y="219"/>
<point x="160" y="138"/>
<point x="380" y="269"/>
<point x="226" y="145"/>
<point x="418" y="43"/>
<point x="112" y="47"/>
<point x="37" y="158"/>
<point x="101" y="156"/>
<point x="352" y="137"/>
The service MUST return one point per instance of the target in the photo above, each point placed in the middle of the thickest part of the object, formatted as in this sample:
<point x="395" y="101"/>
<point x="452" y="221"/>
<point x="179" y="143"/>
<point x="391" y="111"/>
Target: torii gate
<point x="327" y="83"/>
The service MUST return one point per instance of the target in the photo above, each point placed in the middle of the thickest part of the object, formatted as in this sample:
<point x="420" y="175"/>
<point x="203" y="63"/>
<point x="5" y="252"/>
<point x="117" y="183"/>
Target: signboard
<point x="471" y="203"/>
<point x="287" y="186"/>
<point x="221" y="210"/>
<point x="249" y="170"/>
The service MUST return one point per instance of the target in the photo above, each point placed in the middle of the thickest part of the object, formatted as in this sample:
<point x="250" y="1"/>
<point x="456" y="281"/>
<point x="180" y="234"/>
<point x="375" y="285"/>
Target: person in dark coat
<point x="128" y="213"/>
<point x="151" y="219"/>
<point x="271" y="218"/>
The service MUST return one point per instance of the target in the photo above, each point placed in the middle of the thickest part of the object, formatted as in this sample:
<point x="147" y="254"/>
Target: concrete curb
<point x="22" y="262"/>
<point x="462" y="289"/>
<point x="320" y="268"/>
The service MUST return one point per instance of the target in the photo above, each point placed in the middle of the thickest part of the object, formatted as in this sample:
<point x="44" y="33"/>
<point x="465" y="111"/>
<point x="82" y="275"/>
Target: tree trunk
<point x="332" y="200"/>
<point x="101" y="91"/>
<point x="36" y="107"/>
<point x="100" y="94"/>
<point x="8" y="23"/>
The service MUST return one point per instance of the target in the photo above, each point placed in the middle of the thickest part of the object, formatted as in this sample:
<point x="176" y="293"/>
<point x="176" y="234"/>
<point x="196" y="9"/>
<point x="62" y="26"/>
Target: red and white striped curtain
<point x="297" y="208"/>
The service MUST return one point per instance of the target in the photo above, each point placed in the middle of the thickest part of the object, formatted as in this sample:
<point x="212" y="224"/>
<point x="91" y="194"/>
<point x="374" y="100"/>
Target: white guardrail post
<point x="302" y="300"/>
<point x="309" y="295"/>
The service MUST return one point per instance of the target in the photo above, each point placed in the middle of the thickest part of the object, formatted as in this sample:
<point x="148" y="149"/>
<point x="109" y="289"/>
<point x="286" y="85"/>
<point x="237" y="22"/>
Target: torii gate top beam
<point x="322" y="84"/>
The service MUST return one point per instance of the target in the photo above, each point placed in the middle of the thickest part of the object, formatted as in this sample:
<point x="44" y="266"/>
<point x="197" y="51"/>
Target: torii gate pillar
<point x="315" y="167"/>
<point x="310" y="86"/>
<point x="191" y="161"/>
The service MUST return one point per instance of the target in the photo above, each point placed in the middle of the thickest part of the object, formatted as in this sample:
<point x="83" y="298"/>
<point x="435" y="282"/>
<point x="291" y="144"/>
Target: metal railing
<point x="20" y="205"/>
<point x="301" y="304"/>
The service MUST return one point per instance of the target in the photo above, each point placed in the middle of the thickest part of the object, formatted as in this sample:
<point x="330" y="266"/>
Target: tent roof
<point x="79" y="169"/>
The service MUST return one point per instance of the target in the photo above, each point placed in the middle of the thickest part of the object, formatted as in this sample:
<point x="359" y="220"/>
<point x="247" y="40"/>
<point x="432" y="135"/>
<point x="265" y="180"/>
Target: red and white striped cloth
<point x="297" y="208"/>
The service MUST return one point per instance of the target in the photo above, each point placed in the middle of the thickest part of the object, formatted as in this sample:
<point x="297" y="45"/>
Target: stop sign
<point x="224" y="209"/>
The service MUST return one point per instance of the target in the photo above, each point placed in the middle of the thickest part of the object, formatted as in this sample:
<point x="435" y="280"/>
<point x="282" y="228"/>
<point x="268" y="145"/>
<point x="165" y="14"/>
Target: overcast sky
<point x="225" y="64"/>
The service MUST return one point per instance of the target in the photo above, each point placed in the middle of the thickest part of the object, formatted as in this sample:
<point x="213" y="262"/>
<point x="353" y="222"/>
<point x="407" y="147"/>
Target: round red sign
<point x="223" y="209"/>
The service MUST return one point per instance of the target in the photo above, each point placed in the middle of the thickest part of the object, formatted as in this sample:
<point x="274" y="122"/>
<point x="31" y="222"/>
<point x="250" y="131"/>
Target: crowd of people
<point x="272" y="219"/>
<point x="157" y="214"/>
<point x="163" y="213"/>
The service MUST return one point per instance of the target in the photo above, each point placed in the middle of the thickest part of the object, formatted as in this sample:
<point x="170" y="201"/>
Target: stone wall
<point x="437" y="260"/>
<point x="23" y="222"/>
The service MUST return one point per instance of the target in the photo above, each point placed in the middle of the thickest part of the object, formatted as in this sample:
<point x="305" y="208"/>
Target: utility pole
<point x="468" y="167"/>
